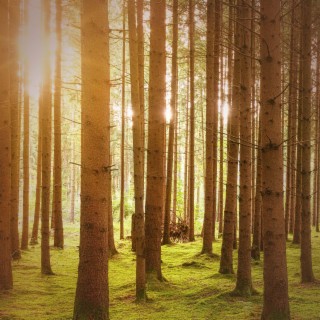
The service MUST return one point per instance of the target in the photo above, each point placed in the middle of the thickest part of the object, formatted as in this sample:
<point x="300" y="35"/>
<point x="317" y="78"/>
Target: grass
<point x="195" y="289"/>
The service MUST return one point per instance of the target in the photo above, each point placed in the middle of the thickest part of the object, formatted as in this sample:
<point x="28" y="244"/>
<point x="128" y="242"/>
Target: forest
<point x="159" y="159"/>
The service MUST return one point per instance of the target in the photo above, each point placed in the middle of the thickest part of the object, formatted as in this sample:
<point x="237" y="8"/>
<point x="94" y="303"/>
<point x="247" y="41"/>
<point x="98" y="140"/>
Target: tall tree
<point x="5" y="151"/>
<point x="137" y="154"/>
<point x="26" y="140"/>
<point x="306" y="88"/>
<point x="230" y="210"/>
<point x="36" y="216"/>
<point x="244" y="281"/>
<point x="91" y="301"/>
<point x="14" y="25"/>
<point x="46" y="144"/>
<point x="209" y="178"/>
<point x="275" y="301"/>
<point x="172" y="124"/>
<point x="155" y="164"/>
<point x="192" y="121"/>
<point x="123" y="106"/>
<point x="57" y="179"/>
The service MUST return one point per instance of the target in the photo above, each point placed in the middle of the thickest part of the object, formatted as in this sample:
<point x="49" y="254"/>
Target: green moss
<point x="194" y="290"/>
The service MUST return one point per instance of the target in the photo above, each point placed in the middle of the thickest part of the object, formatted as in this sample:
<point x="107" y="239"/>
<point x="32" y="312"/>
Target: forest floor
<point x="195" y="289"/>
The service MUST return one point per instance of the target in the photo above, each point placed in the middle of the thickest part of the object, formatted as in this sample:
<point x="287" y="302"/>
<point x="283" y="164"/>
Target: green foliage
<point x="195" y="289"/>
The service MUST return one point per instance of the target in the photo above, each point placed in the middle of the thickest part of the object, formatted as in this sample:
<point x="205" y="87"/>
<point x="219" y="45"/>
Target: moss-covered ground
<point x="194" y="290"/>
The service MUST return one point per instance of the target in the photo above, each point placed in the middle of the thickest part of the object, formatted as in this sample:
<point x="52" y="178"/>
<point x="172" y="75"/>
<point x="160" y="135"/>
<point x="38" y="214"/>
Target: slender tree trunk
<point x="5" y="151"/>
<point x="318" y="133"/>
<point x="95" y="164"/>
<point x="275" y="302"/>
<point x="216" y="76"/>
<point x="208" y="188"/>
<point x="57" y="190"/>
<point x="306" y="86"/>
<point x="46" y="146"/>
<point x="73" y="178"/>
<point x="14" y="25"/>
<point x="244" y="281"/>
<point x="173" y="104"/>
<point x="155" y="164"/>
<point x="35" y="227"/>
<point x="192" y="122"/>
<point x="123" y="102"/>
<point x="137" y="154"/>
<point x="230" y="209"/>
<point x="186" y="151"/>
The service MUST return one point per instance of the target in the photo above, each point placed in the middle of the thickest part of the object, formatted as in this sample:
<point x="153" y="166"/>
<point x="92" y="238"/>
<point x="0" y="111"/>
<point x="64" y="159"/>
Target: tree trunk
<point x="208" y="188"/>
<point x="35" y="227"/>
<point x="73" y="177"/>
<point x="5" y="151"/>
<point x="26" y="141"/>
<point x="14" y="25"/>
<point x="244" y="281"/>
<point x="46" y="146"/>
<point x="275" y="303"/>
<point x="123" y="105"/>
<point x="155" y="164"/>
<point x="57" y="180"/>
<point x="306" y="87"/>
<point x="230" y="209"/>
<point x="192" y="122"/>
<point x="137" y="154"/>
<point x="92" y="297"/>
<point x="172" y="134"/>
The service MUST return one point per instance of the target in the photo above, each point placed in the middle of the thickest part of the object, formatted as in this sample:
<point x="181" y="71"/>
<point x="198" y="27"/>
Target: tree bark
<point x="155" y="164"/>
<point x="14" y="25"/>
<point x="208" y="188"/>
<point x="57" y="180"/>
<point x="275" y="301"/>
<point x="306" y="87"/>
<point x="172" y="129"/>
<point x="46" y="146"/>
<point x="92" y="297"/>
<point x="5" y="151"/>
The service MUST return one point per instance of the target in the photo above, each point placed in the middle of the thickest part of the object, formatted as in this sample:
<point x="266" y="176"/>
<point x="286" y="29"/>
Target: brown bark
<point x="318" y="133"/>
<point x="173" y="105"/>
<point x="155" y="164"/>
<point x="306" y="87"/>
<point x="230" y="209"/>
<point x="192" y="122"/>
<point x="57" y="179"/>
<point x="208" y="188"/>
<point x="92" y="298"/>
<point x="46" y="145"/>
<point x="244" y="281"/>
<point x="137" y="155"/>
<point x="5" y="151"/>
<point x="26" y="143"/>
<point x="123" y="102"/>
<point x="275" y="302"/>
<point x="36" y="217"/>
<point x="14" y="25"/>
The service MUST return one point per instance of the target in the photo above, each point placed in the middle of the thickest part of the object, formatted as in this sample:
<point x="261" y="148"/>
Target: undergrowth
<point x="194" y="290"/>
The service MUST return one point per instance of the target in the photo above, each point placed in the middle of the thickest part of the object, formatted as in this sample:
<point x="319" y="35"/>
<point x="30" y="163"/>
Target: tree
<point x="244" y="282"/>
<point x="192" y="122"/>
<point x="230" y="210"/>
<point x="46" y="145"/>
<point x="155" y="164"/>
<point x="208" y="210"/>
<point x="57" y="179"/>
<point x="172" y="124"/>
<point x="26" y="142"/>
<point x="306" y="89"/>
<point x="91" y="301"/>
<point x="5" y="152"/>
<point x="14" y="25"/>
<point x="275" y="300"/>
<point x="137" y="154"/>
